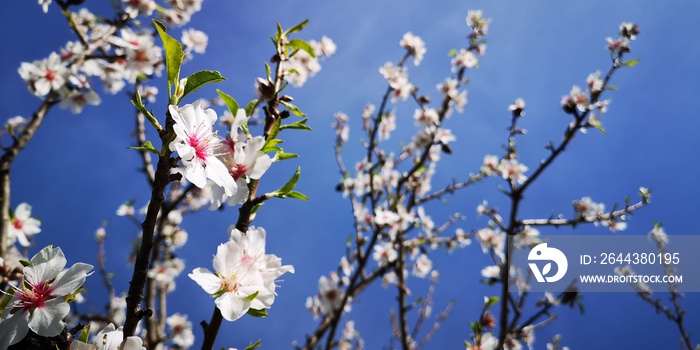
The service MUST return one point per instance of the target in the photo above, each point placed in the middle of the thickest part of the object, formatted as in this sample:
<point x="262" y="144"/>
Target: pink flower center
<point x="238" y="170"/>
<point x="141" y="56"/>
<point x="34" y="297"/>
<point x="231" y="285"/>
<point x="18" y="224"/>
<point x="50" y="75"/>
<point x="79" y="100"/>
<point x="200" y="144"/>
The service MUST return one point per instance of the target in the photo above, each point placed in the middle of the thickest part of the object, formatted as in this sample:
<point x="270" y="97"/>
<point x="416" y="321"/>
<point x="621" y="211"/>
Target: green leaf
<point x="201" y="78"/>
<point x="84" y="334"/>
<point x="297" y="195"/>
<point x="289" y="186"/>
<point x="148" y="146"/>
<point x="257" y="313"/>
<point x="173" y="55"/>
<point x="219" y="293"/>
<point x="612" y="87"/>
<point x="149" y="116"/>
<point x="283" y="155"/>
<point x="253" y="346"/>
<point x="298" y="44"/>
<point x="267" y="71"/>
<point x="300" y="125"/>
<point x="297" y="28"/>
<point x="490" y="302"/>
<point x="25" y="263"/>
<point x="272" y="143"/>
<point x="275" y="129"/>
<point x="278" y="35"/>
<point x="6" y="300"/>
<point x="256" y="208"/>
<point x="631" y="63"/>
<point x="452" y="53"/>
<point x="250" y="106"/>
<point x="252" y="296"/>
<point x="292" y="108"/>
<point x="229" y="101"/>
<point x="71" y="297"/>
<point x="600" y="128"/>
<point x="271" y="149"/>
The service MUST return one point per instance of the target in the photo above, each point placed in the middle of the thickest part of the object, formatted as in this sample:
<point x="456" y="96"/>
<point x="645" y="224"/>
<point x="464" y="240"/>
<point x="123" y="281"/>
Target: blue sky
<point x="77" y="171"/>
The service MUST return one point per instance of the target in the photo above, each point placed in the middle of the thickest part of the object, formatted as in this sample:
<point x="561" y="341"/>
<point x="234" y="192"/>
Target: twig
<point x="9" y="156"/>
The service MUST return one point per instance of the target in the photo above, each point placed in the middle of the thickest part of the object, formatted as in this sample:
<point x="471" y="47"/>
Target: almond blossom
<point x="415" y="46"/>
<point x="22" y="226"/>
<point x="329" y="298"/>
<point x="142" y="55"/>
<point x="244" y="159"/>
<point x="76" y="100"/>
<point x="45" y="75"/>
<point x="384" y="253"/>
<point x="39" y="303"/>
<point x="510" y="169"/>
<point x="245" y="276"/>
<point x="110" y="338"/>
<point x="423" y="266"/>
<point x="195" y="40"/>
<point x="195" y="143"/>
<point x="586" y="209"/>
<point x="180" y="330"/>
<point x="479" y="24"/>
<point x="135" y="8"/>
<point x="464" y="59"/>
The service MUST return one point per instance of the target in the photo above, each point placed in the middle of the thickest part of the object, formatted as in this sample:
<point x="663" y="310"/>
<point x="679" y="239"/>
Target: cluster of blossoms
<point x="177" y="12"/>
<point x="302" y="66"/>
<point x="244" y="275"/>
<point x="350" y="339"/>
<point x="415" y="47"/>
<point x="397" y="78"/>
<point x="579" y="102"/>
<point x="124" y="56"/>
<point x="391" y="220"/>
<point x="449" y="90"/>
<point x="228" y="163"/>
<point x="628" y="32"/>
<point x="331" y="292"/>
<point x="509" y="169"/>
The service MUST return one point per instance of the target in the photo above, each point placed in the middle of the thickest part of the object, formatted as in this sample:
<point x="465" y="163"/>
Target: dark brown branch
<point x="136" y="288"/>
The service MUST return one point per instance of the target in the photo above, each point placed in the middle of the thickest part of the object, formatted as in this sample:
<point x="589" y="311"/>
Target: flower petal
<point x="217" y="172"/>
<point x="47" y="321"/>
<point x="70" y="280"/>
<point x="207" y="280"/>
<point x="14" y="328"/>
<point x="232" y="306"/>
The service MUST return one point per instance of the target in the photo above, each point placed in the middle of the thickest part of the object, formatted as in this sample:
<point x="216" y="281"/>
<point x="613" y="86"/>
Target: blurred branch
<point x="9" y="156"/>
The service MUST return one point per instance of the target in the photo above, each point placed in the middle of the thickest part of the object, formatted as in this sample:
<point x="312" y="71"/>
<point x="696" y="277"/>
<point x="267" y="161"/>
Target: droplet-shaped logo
<point x="543" y="253"/>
